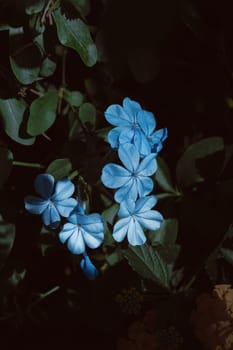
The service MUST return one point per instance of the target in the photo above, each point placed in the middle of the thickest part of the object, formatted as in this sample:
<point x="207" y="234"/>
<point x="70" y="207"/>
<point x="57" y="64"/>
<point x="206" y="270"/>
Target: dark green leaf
<point x="7" y="236"/>
<point x="163" y="176"/>
<point x="87" y="114"/>
<point x="186" y="171"/>
<point x="47" y="68"/>
<point x="228" y="254"/>
<point x="82" y="6"/>
<point x="166" y="234"/>
<point x="34" y="6"/>
<point x="60" y="168"/>
<point x="74" y="98"/>
<point x="11" y="113"/>
<point x="6" y="159"/>
<point x="147" y="262"/>
<point x="110" y="213"/>
<point x="75" y="34"/>
<point x="42" y="113"/>
<point x="25" y="58"/>
<point x="114" y="258"/>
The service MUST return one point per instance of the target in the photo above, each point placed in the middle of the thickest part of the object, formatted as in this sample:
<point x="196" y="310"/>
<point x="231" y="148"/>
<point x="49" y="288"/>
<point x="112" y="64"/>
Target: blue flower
<point x="133" y="125"/>
<point x="54" y="200"/>
<point x="82" y="230"/>
<point x="156" y="140"/>
<point x="133" y="180"/>
<point x="88" y="267"/>
<point x="136" y="215"/>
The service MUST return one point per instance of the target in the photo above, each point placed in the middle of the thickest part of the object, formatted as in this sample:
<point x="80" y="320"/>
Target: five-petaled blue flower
<point x="136" y="215"/>
<point x="55" y="199"/>
<point x="133" y="180"/>
<point x="88" y="267"/>
<point x="134" y="125"/>
<point x="82" y="230"/>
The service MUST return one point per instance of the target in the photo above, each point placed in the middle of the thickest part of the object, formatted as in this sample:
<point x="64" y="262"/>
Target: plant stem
<point x="29" y="165"/>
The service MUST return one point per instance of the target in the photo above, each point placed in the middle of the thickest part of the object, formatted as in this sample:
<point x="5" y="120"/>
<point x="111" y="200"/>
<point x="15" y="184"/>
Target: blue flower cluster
<point x="137" y="144"/>
<point x="80" y="231"/>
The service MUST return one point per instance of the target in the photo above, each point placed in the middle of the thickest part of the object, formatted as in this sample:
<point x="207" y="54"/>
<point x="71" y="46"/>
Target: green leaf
<point x="110" y="213"/>
<point x="166" y="234"/>
<point x="60" y="168"/>
<point x="25" y="57"/>
<point x="75" y="34"/>
<point x="163" y="176"/>
<point x="6" y="160"/>
<point x="227" y="254"/>
<point x="187" y="173"/>
<point x="7" y="236"/>
<point x="48" y="67"/>
<point x="87" y="114"/>
<point x="147" y="262"/>
<point x="82" y="6"/>
<point x="114" y="258"/>
<point x="12" y="112"/>
<point x="74" y="98"/>
<point x="42" y="113"/>
<point x="34" y="6"/>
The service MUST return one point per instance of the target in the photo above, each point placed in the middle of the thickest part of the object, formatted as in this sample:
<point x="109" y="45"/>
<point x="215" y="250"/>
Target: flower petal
<point x="76" y="242"/>
<point x="148" y="165"/>
<point x="130" y="190"/>
<point x="63" y="190"/>
<point x="144" y="186"/>
<point x="114" y="176"/>
<point x="35" y="205"/>
<point x="126" y="208"/>
<point x="117" y="116"/>
<point x="129" y="156"/>
<point x="93" y="240"/>
<point x="66" y="232"/>
<point x="51" y="216"/>
<point x="145" y="204"/>
<point x="120" y="229"/>
<point x="156" y="140"/>
<point x="150" y="219"/>
<point x="135" y="235"/>
<point x="126" y="135"/>
<point x="141" y="143"/>
<point x="131" y="106"/>
<point x="44" y="185"/>
<point x="65" y="206"/>
<point x="113" y="137"/>
<point x="146" y="121"/>
<point x="88" y="267"/>
<point x="92" y="223"/>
